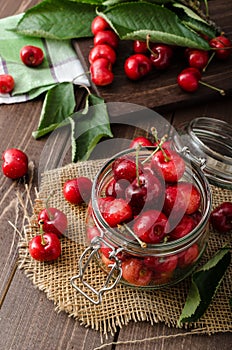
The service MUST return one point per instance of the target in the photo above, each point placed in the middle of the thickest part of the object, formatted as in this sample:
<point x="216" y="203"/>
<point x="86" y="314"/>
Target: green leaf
<point x="57" y="19"/>
<point x="89" y="127"/>
<point x="58" y="104"/>
<point x="130" y="21"/>
<point x="205" y="283"/>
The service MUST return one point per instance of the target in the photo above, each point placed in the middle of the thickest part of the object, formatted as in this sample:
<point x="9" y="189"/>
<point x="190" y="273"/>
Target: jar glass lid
<point x="208" y="142"/>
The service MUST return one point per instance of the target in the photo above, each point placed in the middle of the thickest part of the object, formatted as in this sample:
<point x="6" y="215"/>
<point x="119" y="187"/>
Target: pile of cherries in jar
<point x="147" y="56"/>
<point x="149" y="203"/>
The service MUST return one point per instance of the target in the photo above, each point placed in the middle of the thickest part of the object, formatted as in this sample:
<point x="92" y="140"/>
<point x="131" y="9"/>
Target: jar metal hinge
<point x="89" y="253"/>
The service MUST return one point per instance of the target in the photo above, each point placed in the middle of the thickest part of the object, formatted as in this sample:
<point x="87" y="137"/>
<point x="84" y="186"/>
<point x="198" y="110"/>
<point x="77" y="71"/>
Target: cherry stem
<point x="142" y="244"/>
<point x="137" y="164"/>
<point x="159" y="144"/>
<point x="222" y="92"/>
<point x="41" y="222"/>
<point x="85" y="87"/>
<point x="148" y="45"/>
<point x="80" y="75"/>
<point x="209" y="60"/>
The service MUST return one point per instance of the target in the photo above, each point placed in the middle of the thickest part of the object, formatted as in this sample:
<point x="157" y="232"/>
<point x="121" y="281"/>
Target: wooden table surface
<point x="28" y="320"/>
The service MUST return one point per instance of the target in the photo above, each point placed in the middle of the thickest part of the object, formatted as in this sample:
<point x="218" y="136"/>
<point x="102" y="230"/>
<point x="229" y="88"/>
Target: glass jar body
<point x="151" y="265"/>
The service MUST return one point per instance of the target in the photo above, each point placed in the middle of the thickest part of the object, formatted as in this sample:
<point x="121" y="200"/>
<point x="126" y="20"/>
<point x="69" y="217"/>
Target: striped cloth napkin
<point x="61" y="64"/>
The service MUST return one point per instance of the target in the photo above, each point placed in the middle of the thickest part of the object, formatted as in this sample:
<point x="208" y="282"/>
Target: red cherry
<point x="45" y="248"/>
<point x="162" y="264"/>
<point x="197" y="58"/>
<point x="54" y="220"/>
<point x="116" y="189"/>
<point x="146" y="190"/>
<point x="125" y="168"/>
<point x="107" y="37"/>
<point x="140" y="141"/>
<point x="134" y="272"/>
<point x="161" y="56"/>
<point x="140" y="46"/>
<point x="151" y="226"/>
<point x="15" y="163"/>
<point x="101" y="74"/>
<point x="31" y="56"/>
<point x="188" y="80"/>
<point x="99" y="24"/>
<point x="222" y="46"/>
<point x="169" y="163"/>
<point x="188" y="256"/>
<point x="102" y="51"/>
<point x="6" y="83"/>
<point x="221" y="217"/>
<point x="77" y="190"/>
<point x="185" y="226"/>
<point x="137" y="66"/>
<point x="116" y="212"/>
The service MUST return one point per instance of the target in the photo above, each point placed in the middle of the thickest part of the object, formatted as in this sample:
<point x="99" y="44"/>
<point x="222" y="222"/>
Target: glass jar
<point x="126" y="259"/>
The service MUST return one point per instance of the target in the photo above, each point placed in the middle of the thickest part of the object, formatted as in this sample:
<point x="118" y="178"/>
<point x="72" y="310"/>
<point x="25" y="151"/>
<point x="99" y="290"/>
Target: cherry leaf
<point x="130" y="21"/>
<point x="58" y="104"/>
<point x="88" y="127"/>
<point x="205" y="283"/>
<point x="58" y="19"/>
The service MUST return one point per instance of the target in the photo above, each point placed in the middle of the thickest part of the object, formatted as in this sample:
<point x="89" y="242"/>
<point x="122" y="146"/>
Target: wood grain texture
<point x="28" y="320"/>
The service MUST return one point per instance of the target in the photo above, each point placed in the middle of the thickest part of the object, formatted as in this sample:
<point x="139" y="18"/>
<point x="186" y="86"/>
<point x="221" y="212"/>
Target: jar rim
<point x="199" y="179"/>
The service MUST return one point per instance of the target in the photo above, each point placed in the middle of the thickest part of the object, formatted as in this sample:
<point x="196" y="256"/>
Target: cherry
<point x="170" y="163"/>
<point x="139" y="46"/>
<point x="185" y="226"/>
<point x="77" y="190"/>
<point x="54" y="220"/>
<point x="135" y="272"/>
<point x="151" y="226"/>
<point x="99" y="24"/>
<point x="144" y="190"/>
<point x="197" y="58"/>
<point x="188" y="256"/>
<point x="101" y="74"/>
<point x="15" y="163"/>
<point x="45" y="247"/>
<point x="31" y="56"/>
<point x="102" y="51"/>
<point x="181" y="197"/>
<point x="222" y="46"/>
<point x="140" y="141"/>
<point x="108" y="37"/>
<point x="125" y="168"/>
<point x="221" y="217"/>
<point x="137" y="66"/>
<point x="7" y="83"/>
<point x="161" y="264"/>
<point x="161" y="55"/>
<point x="116" y="189"/>
<point x="116" y="212"/>
<point x="188" y="79"/>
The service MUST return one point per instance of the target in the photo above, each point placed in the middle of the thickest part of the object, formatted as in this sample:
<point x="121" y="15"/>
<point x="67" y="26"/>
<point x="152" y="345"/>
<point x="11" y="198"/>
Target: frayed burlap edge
<point x="122" y="304"/>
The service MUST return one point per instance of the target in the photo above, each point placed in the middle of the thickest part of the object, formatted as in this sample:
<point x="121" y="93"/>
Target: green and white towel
<point x="60" y="64"/>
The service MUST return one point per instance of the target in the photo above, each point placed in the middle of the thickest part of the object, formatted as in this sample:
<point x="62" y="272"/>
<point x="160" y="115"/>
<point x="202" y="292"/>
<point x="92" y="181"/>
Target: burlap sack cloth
<point x="122" y="304"/>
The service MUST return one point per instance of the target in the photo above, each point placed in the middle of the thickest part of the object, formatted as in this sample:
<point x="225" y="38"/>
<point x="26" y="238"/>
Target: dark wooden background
<point x="28" y="320"/>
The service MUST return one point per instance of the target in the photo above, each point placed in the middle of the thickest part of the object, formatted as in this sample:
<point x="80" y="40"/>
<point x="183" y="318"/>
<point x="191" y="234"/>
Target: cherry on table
<point x="108" y="37"/>
<point x="161" y="55"/>
<point x="31" y="56"/>
<point x="7" y="83"/>
<point x="15" y="163"/>
<point x="140" y="46"/>
<point x="45" y="247"/>
<point x="101" y="72"/>
<point x="102" y="51"/>
<point x="222" y="47"/>
<point x="197" y="58"/>
<point x="221" y="217"/>
<point x="54" y="220"/>
<point x="188" y="79"/>
<point x="77" y="190"/>
<point x="99" y="24"/>
<point x="137" y="66"/>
